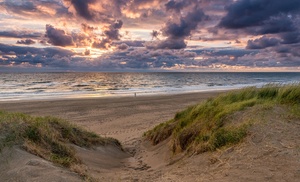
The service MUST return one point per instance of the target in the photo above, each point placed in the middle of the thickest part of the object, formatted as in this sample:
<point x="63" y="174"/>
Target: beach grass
<point x="213" y="124"/>
<point x="48" y="137"/>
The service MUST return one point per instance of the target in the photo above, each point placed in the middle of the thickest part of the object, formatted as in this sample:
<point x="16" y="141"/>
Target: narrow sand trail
<point x="125" y="119"/>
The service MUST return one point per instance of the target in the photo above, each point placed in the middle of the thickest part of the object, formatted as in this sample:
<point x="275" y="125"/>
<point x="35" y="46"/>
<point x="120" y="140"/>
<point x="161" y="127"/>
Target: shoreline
<point x="123" y="118"/>
<point x="134" y="95"/>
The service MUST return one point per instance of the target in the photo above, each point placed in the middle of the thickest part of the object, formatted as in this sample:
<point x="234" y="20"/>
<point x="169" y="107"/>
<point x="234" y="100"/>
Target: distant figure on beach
<point x="134" y="94"/>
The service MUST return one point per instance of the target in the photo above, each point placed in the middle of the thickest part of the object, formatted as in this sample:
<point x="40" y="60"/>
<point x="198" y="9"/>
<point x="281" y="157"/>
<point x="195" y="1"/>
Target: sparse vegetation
<point x="209" y="126"/>
<point x="48" y="137"/>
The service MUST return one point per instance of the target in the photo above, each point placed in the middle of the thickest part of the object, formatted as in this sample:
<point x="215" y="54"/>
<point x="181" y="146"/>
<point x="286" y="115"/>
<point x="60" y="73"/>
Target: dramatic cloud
<point x="185" y="26"/>
<point x="135" y="43"/>
<point x="26" y="42"/>
<point x="126" y="59"/>
<point x="262" y="43"/>
<point x="58" y="37"/>
<point x="98" y="10"/>
<point x="247" y="13"/>
<point x="166" y="44"/>
<point x="19" y="6"/>
<point x="21" y="50"/>
<point x="35" y="57"/>
<point x="150" y="34"/>
<point x="177" y="30"/>
<point x="291" y="37"/>
<point x="278" y="22"/>
<point x="123" y="46"/>
<point x="20" y="34"/>
<point x="82" y="8"/>
<point x="111" y="33"/>
<point x="176" y="6"/>
<point x="36" y="8"/>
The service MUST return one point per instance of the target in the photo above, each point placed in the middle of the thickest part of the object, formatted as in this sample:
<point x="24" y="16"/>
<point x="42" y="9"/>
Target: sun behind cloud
<point x="151" y="34"/>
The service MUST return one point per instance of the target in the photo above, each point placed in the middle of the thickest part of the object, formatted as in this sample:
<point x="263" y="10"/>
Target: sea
<point x="49" y="86"/>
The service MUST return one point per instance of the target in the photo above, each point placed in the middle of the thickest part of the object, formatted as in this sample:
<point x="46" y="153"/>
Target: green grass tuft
<point x="47" y="137"/>
<point x="207" y="126"/>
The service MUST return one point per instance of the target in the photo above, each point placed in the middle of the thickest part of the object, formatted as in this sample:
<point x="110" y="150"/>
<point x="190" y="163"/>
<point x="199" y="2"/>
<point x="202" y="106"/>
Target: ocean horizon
<point x="61" y="85"/>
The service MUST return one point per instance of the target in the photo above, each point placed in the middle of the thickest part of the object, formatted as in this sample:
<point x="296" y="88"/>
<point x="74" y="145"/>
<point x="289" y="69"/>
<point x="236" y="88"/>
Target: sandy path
<point x="125" y="118"/>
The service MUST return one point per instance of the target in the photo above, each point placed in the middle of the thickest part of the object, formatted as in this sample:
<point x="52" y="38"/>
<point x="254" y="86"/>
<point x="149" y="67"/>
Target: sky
<point x="150" y="35"/>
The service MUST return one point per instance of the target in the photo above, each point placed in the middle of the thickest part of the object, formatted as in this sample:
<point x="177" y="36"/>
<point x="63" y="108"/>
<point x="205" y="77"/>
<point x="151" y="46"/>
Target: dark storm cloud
<point x="52" y="57"/>
<point x="276" y="25"/>
<point x="20" y="34"/>
<point x="26" y="41"/>
<point x="122" y="46"/>
<point x="131" y="43"/>
<point x="98" y="10"/>
<point x="111" y="33"/>
<point x="277" y="20"/>
<point x="177" y="31"/>
<point x="186" y="24"/>
<point x="247" y="13"/>
<point x="82" y="8"/>
<point x="48" y="52"/>
<point x="288" y="51"/>
<point x="262" y="43"/>
<point x="166" y="44"/>
<point x="291" y="37"/>
<point x="176" y="6"/>
<point x="58" y="37"/>
<point x="282" y="49"/>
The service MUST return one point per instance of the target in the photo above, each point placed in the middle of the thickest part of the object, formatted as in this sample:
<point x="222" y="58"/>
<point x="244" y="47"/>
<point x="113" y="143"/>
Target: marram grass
<point x="48" y="137"/>
<point x="207" y="126"/>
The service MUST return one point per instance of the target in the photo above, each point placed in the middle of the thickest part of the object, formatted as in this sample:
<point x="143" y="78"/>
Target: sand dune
<point x="266" y="155"/>
<point x="18" y="165"/>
